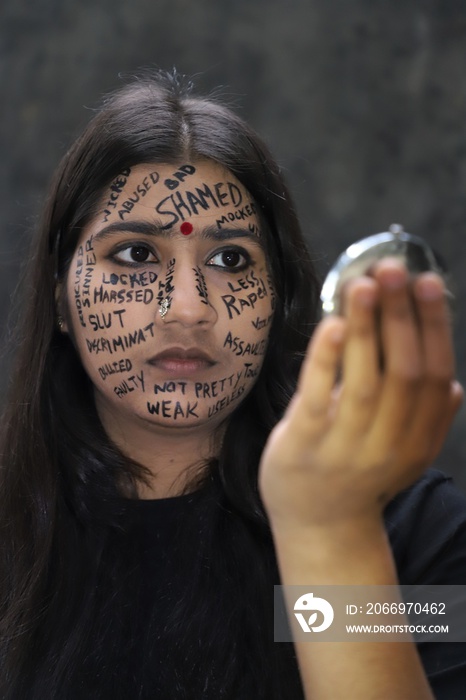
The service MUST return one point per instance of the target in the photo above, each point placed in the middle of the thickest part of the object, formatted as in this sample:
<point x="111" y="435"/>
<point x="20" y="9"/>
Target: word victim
<point x="262" y="322"/>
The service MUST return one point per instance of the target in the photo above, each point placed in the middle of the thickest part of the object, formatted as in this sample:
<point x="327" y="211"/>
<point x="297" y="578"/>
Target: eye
<point x="133" y="254"/>
<point x="230" y="259"/>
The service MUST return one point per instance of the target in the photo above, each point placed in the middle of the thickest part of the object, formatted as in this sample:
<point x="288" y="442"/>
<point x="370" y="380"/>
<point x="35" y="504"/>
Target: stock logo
<point x="307" y="603"/>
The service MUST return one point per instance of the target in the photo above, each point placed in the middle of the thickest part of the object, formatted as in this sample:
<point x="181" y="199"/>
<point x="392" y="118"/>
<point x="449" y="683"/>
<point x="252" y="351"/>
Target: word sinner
<point x="82" y="296"/>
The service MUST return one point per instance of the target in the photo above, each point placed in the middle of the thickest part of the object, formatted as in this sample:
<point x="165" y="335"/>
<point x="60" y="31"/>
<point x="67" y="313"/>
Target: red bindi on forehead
<point x="186" y="228"/>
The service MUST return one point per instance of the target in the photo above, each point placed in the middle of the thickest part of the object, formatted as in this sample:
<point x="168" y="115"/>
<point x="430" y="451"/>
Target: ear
<point x="60" y="309"/>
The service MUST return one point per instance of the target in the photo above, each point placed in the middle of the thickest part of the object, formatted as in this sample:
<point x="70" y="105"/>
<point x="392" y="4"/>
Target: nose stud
<point x="164" y="306"/>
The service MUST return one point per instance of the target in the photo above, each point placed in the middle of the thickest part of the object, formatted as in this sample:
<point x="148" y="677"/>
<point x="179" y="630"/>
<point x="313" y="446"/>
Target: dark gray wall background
<point x="363" y="102"/>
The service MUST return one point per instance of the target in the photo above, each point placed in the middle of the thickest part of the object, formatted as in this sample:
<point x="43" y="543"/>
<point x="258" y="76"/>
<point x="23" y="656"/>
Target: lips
<point x="178" y="360"/>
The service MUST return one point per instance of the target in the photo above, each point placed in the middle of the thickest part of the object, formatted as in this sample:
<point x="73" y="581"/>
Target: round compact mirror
<point x="361" y="256"/>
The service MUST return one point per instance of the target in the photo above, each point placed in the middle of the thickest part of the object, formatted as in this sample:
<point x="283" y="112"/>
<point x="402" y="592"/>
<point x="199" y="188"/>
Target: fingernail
<point x="393" y="279"/>
<point x="429" y="288"/>
<point x="366" y="297"/>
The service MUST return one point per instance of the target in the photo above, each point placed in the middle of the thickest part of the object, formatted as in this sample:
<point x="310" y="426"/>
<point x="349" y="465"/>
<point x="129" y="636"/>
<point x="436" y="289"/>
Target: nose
<point x="185" y="298"/>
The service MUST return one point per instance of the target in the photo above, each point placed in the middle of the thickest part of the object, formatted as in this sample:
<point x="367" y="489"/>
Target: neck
<point x="172" y="456"/>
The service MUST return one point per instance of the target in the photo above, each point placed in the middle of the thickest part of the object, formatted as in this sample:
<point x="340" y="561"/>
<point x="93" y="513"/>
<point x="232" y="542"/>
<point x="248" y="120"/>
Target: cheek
<point x="247" y="310"/>
<point x="249" y="302"/>
<point x="108" y="313"/>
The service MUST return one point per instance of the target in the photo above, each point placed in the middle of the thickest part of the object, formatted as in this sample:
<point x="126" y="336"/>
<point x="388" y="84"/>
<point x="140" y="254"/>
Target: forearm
<point x="349" y="555"/>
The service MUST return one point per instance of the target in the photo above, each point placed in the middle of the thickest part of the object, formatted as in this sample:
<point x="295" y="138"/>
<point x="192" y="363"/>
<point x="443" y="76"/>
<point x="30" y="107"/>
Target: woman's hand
<point x="340" y="454"/>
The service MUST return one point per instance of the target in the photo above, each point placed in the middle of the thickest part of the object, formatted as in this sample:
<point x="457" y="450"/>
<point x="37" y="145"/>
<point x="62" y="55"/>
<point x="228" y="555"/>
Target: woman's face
<point x="169" y="296"/>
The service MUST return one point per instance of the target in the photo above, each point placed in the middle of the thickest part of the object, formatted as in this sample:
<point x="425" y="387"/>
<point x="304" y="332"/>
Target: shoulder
<point x="426" y="525"/>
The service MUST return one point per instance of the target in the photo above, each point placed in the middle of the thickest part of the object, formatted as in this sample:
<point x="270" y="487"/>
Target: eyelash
<point x="126" y="248"/>
<point x="247" y="260"/>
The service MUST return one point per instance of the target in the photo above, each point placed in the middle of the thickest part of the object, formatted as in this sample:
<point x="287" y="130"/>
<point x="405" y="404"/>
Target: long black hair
<point x="62" y="521"/>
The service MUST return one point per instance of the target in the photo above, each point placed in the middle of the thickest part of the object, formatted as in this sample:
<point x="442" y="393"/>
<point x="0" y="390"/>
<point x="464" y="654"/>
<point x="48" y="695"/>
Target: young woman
<point x="167" y="459"/>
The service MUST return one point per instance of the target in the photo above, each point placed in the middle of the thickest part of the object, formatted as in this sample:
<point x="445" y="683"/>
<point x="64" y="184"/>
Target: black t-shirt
<point x="426" y="525"/>
<point x="427" y="529"/>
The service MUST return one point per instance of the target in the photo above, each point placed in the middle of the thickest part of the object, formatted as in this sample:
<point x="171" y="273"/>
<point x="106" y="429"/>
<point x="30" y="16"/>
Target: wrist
<point x="351" y="553"/>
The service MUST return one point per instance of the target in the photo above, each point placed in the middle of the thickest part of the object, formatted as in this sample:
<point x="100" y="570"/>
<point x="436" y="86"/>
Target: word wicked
<point x="262" y="322"/>
<point x="116" y="188"/>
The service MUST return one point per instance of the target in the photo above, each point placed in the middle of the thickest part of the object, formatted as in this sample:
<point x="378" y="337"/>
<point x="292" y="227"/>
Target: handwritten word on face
<point x="186" y="235"/>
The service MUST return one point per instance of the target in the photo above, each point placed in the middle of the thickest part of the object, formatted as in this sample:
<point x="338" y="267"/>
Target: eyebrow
<point x="155" y="228"/>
